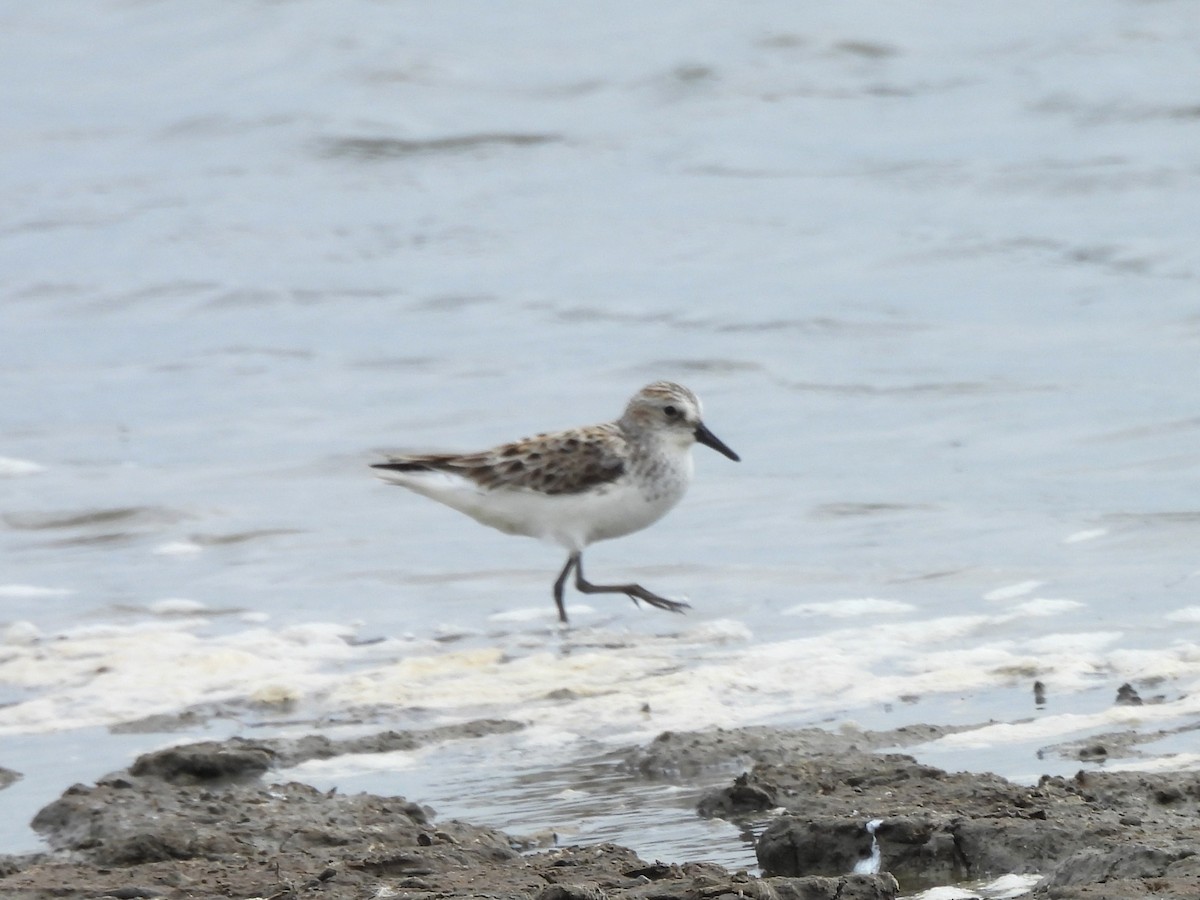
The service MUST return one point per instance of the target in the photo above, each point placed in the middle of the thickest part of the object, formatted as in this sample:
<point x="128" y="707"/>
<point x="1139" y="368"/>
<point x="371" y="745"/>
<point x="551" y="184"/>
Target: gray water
<point x="932" y="268"/>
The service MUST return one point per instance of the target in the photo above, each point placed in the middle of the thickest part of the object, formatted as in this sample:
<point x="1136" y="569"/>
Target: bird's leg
<point x="634" y="592"/>
<point x="572" y="562"/>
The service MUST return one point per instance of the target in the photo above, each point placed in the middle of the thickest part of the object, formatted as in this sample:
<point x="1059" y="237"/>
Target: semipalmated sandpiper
<point x="578" y="486"/>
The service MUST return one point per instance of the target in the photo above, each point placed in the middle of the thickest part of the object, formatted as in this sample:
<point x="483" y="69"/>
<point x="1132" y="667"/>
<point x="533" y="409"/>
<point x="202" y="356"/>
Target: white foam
<point x="1173" y="762"/>
<point x="620" y="688"/>
<point x="1006" y="887"/>
<point x="1178" y="661"/>
<point x="22" y="632"/>
<point x="1009" y="886"/>
<point x="17" y="468"/>
<point x="104" y="674"/>
<point x="719" y="631"/>
<point x="178" y="548"/>
<point x="571" y="794"/>
<point x="947" y="893"/>
<point x="1008" y="592"/>
<point x="352" y="764"/>
<point x="1089" y="534"/>
<point x="851" y="608"/>
<point x="870" y="865"/>
<point x="31" y="591"/>
<point x="1051" y="727"/>
<point x="902" y="637"/>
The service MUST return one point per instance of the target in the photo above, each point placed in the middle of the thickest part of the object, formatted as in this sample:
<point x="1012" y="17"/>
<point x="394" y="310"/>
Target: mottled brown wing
<point x="565" y="462"/>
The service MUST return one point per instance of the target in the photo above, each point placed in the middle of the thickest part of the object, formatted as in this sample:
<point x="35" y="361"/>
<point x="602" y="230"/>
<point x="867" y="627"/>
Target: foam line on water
<point x="11" y="467"/>
<point x="596" y="683"/>
<point x="1049" y="727"/>
<point x="32" y="591"/>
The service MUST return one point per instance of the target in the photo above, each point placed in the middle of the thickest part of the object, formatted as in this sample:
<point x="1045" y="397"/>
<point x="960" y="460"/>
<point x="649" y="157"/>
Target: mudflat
<point x="207" y="820"/>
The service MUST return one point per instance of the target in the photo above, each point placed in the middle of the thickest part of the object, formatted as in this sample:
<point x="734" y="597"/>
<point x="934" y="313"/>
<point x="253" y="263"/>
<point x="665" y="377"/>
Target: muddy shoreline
<point x="208" y="820"/>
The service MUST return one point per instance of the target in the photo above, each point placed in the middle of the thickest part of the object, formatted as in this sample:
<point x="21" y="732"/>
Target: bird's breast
<point x="662" y="478"/>
<point x="625" y="508"/>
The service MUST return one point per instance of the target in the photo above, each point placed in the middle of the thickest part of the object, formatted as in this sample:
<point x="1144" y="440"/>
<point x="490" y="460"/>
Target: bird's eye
<point x="670" y="411"/>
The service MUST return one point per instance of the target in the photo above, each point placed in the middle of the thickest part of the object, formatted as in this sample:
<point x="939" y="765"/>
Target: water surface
<point x="933" y="269"/>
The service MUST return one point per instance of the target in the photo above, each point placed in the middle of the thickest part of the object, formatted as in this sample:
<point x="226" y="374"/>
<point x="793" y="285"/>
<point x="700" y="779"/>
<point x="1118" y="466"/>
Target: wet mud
<point x="208" y="820"/>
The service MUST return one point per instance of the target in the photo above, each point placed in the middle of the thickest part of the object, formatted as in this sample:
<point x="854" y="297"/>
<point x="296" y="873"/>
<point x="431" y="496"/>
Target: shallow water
<point x="933" y="270"/>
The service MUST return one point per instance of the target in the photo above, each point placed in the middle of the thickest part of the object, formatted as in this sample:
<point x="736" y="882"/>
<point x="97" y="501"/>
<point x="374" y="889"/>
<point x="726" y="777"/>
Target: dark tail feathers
<point x="401" y="465"/>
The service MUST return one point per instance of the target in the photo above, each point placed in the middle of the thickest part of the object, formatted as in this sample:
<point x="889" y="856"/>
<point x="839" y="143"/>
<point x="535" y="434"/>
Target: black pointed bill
<point x="708" y="439"/>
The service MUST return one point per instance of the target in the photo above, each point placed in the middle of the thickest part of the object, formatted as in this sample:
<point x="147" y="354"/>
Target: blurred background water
<point x="931" y="266"/>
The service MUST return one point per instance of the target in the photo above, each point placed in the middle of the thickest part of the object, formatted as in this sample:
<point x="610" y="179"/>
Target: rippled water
<point x="933" y="269"/>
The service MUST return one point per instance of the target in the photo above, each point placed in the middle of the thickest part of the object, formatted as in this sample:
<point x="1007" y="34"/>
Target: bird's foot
<point x="675" y="606"/>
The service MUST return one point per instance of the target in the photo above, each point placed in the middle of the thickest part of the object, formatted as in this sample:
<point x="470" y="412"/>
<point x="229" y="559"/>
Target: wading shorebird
<point x="578" y="486"/>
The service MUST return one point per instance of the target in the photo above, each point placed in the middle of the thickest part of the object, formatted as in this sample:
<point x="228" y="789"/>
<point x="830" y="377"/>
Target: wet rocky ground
<point x="208" y="820"/>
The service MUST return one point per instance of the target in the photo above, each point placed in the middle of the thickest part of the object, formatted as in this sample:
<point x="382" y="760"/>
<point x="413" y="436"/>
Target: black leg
<point x="634" y="592"/>
<point x="572" y="561"/>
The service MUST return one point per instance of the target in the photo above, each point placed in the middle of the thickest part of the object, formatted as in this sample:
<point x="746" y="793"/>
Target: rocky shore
<point x="207" y="820"/>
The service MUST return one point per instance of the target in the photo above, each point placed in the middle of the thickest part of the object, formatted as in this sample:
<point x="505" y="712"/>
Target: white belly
<point x="571" y="520"/>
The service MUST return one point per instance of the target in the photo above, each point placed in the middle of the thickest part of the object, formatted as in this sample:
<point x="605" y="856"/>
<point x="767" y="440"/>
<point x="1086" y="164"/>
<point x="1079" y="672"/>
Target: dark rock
<point x="1128" y="696"/>
<point x="10" y="865"/>
<point x="675" y="754"/>
<point x="655" y="872"/>
<point x="584" y="891"/>
<point x="208" y="761"/>
<point x="1094" y="866"/>
<point x="1169" y="794"/>
<point x="145" y="847"/>
<point x="990" y="846"/>
<point x="1039" y="694"/>
<point x="194" y="824"/>
<point x="828" y="846"/>
<point x="845" y="887"/>
<point x="748" y="794"/>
